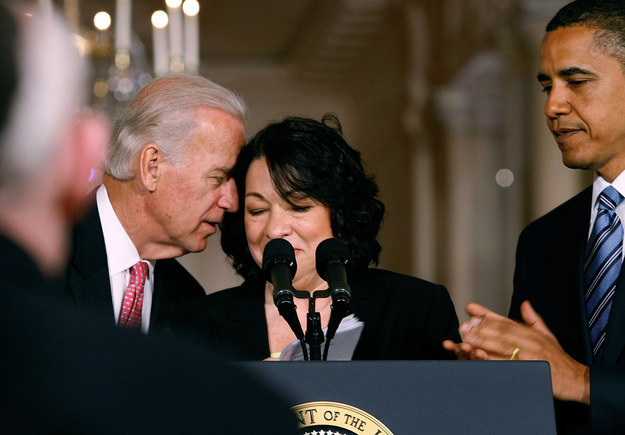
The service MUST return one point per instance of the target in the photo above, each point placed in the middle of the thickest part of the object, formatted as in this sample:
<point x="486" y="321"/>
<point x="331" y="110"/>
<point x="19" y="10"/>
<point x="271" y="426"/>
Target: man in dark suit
<point x="65" y="371"/>
<point x="568" y="300"/>
<point x="166" y="188"/>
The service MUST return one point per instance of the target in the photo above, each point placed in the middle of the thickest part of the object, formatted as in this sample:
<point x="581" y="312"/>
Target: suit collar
<point x="90" y="286"/>
<point x="89" y="254"/>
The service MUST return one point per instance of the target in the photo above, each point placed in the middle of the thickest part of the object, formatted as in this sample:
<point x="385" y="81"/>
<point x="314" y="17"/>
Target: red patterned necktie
<point x="132" y="305"/>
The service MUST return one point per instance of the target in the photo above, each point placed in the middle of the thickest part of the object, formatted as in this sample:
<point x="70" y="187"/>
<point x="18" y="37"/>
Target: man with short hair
<point x="64" y="371"/>
<point x="166" y="188"/>
<point x="569" y="286"/>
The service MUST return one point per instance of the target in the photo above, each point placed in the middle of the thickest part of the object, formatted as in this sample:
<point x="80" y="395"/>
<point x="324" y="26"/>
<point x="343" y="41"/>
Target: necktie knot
<point x="609" y="199"/>
<point x="138" y="272"/>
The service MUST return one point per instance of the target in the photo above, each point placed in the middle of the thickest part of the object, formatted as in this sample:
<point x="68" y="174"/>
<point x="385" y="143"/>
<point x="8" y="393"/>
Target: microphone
<point x="332" y="260"/>
<point x="279" y="267"/>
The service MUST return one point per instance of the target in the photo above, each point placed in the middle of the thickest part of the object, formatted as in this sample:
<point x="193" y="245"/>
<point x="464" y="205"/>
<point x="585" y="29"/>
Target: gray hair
<point x="163" y="112"/>
<point x="50" y="88"/>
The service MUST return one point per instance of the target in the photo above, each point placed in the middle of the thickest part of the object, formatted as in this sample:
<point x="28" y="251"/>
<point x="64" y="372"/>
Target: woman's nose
<point x="278" y="226"/>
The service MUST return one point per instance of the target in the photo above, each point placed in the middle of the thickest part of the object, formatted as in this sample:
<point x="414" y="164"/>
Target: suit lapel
<point x="89" y="283"/>
<point x="583" y="228"/>
<point x="615" y="337"/>
<point x="559" y="284"/>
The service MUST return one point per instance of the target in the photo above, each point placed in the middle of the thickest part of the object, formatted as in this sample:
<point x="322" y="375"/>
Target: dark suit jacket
<point x="67" y="372"/>
<point x="404" y="317"/>
<point x="88" y="283"/>
<point x="549" y="273"/>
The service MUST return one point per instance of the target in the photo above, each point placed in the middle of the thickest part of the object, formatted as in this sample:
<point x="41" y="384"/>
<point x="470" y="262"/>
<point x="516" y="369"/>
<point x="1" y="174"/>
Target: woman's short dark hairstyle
<point x="310" y="159"/>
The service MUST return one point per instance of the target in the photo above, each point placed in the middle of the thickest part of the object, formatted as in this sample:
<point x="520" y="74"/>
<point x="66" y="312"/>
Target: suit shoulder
<point x="219" y="304"/>
<point x="396" y="283"/>
<point x="577" y="206"/>
<point x="171" y="271"/>
<point x="400" y="293"/>
<point x="225" y="295"/>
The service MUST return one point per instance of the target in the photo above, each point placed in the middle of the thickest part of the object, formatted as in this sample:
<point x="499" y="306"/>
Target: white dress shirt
<point x="121" y="255"/>
<point x="597" y="187"/>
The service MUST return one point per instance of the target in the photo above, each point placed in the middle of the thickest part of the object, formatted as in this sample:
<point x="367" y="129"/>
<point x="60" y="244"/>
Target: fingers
<point x="534" y="320"/>
<point x="495" y="336"/>
<point x="529" y="315"/>
<point x="480" y="354"/>
<point x="474" y="309"/>
<point x="464" y="351"/>
<point x="467" y="326"/>
<point x="449" y="345"/>
<point x="488" y="335"/>
<point x="461" y="350"/>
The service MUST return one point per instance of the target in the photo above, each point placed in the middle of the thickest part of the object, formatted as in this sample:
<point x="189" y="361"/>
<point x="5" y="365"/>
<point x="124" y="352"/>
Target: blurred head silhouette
<point x="49" y="143"/>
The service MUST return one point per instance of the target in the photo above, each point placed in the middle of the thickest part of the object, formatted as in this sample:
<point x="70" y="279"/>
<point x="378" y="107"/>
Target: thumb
<point x="534" y="320"/>
<point x="478" y="310"/>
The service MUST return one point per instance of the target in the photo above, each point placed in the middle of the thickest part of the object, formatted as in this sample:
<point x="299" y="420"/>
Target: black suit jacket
<point x="549" y="273"/>
<point x="89" y="287"/>
<point x="404" y="317"/>
<point x="67" y="372"/>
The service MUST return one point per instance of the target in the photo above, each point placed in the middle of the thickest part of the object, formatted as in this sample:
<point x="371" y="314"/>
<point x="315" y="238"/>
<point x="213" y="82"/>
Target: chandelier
<point x="118" y="56"/>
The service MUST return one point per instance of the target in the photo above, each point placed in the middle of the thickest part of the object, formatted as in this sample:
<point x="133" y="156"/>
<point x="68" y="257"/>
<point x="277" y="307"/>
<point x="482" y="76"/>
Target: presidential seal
<point x="333" y="418"/>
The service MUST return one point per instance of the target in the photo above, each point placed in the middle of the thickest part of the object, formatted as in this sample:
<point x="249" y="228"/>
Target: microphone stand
<point x="314" y="333"/>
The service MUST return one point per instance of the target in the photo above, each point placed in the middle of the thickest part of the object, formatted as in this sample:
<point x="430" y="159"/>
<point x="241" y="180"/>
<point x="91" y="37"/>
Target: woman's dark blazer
<point x="405" y="318"/>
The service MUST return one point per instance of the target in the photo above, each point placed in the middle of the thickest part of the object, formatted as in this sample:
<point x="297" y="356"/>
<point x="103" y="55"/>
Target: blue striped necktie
<point x="602" y="267"/>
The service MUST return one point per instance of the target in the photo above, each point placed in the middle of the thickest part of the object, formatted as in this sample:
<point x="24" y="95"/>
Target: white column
<point x="123" y="26"/>
<point x="176" y="51"/>
<point x="159" y="42"/>
<point x="191" y="9"/>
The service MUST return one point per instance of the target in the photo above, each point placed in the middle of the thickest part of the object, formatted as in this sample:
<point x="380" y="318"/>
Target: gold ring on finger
<point x="515" y="353"/>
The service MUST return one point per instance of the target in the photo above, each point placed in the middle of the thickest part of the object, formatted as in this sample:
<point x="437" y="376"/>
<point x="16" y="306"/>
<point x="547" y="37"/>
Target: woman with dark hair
<point x="300" y="181"/>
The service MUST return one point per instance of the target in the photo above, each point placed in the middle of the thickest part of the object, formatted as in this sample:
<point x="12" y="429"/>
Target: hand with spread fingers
<point x="490" y="336"/>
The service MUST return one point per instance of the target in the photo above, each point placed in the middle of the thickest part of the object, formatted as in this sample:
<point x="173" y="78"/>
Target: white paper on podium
<point x="342" y="345"/>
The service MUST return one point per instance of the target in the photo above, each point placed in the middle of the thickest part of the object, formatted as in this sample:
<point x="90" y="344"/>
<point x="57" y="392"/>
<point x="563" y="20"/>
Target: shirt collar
<point x="121" y="253"/>
<point x="600" y="183"/>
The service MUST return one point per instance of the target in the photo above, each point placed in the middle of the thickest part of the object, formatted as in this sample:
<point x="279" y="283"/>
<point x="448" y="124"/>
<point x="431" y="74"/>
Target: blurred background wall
<point x="440" y="97"/>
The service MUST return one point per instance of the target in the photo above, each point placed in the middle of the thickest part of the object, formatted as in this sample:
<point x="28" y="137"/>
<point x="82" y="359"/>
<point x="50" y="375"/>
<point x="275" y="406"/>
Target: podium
<point x="412" y="397"/>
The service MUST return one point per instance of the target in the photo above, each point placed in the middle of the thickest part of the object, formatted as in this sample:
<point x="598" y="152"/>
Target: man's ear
<point x="150" y="165"/>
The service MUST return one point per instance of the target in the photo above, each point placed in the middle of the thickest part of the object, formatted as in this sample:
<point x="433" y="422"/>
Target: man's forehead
<point x="569" y="47"/>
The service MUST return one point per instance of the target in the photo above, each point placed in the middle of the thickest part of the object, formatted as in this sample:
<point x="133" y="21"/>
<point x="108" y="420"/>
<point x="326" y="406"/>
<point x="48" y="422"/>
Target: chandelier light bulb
<point x="173" y="3"/>
<point x="160" y="19"/>
<point x="102" y="20"/>
<point x="191" y="8"/>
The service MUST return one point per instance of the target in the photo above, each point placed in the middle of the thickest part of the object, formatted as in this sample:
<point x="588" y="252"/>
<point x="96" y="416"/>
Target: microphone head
<point x="278" y="251"/>
<point x="328" y="251"/>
